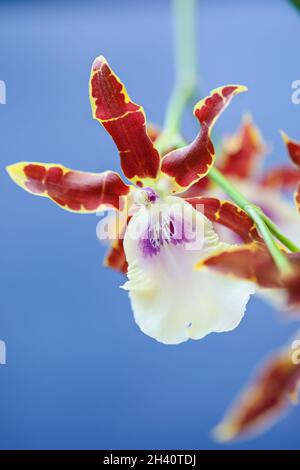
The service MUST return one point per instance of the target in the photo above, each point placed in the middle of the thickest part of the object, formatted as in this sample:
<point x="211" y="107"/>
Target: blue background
<point x="79" y="373"/>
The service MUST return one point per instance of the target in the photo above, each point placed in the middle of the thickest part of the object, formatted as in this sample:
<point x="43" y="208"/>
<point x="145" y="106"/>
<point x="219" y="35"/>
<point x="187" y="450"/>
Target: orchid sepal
<point x="75" y="191"/>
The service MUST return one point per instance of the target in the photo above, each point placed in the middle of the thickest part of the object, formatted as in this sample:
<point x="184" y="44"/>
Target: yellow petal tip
<point x="224" y="432"/>
<point x="284" y="136"/>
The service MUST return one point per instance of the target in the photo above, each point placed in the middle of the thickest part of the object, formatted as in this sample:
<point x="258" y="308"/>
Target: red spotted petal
<point x="253" y="262"/>
<point x="293" y="148"/>
<point x="228" y="214"/>
<point x="284" y="178"/>
<point x="243" y="151"/>
<point x="190" y="163"/>
<point x="73" y="190"/>
<point x="124" y="120"/>
<point x="265" y="398"/>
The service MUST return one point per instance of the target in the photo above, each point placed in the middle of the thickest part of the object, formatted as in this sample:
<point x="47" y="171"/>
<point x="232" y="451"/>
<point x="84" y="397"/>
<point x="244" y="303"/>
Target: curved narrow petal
<point x="265" y="398"/>
<point x="228" y="214"/>
<point x="75" y="191"/>
<point x="171" y="301"/>
<point x="190" y="163"/>
<point x="282" y="178"/>
<point x="293" y="148"/>
<point x="124" y="120"/>
<point x="242" y="152"/>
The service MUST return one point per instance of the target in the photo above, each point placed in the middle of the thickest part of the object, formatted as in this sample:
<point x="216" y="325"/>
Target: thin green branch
<point x="184" y="31"/>
<point x="278" y="256"/>
<point x="278" y="234"/>
<point x="258" y="217"/>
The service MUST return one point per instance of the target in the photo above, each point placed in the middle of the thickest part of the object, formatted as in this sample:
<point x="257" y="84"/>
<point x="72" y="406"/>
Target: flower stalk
<point x="184" y="33"/>
<point x="184" y="89"/>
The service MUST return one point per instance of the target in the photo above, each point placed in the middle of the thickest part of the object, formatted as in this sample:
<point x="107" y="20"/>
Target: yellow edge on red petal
<point x="102" y="59"/>
<point x="16" y="173"/>
<point x="251" y="247"/>
<point x="218" y="90"/>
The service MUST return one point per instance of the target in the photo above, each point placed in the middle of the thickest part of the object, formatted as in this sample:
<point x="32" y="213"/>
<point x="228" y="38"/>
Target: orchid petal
<point x="72" y="190"/>
<point x="228" y="214"/>
<point x="197" y="189"/>
<point x="242" y="152"/>
<point x="253" y="262"/>
<point x="188" y="164"/>
<point x="264" y="399"/>
<point x="115" y="257"/>
<point x="282" y="178"/>
<point x="124" y="120"/>
<point x="274" y="204"/>
<point x="293" y="148"/>
<point x="297" y="197"/>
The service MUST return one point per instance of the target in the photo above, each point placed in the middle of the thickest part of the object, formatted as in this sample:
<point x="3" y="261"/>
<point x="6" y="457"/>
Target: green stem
<point x="278" y="256"/>
<point x="257" y="216"/>
<point x="277" y="233"/>
<point x="185" y="49"/>
<point x="185" y="72"/>
<point x="216" y="176"/>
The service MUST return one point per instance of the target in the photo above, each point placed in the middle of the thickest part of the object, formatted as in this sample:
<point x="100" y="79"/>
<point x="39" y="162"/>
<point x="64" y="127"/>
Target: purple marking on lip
<point x="152" y="196"/>
<point x="171" y="231"/>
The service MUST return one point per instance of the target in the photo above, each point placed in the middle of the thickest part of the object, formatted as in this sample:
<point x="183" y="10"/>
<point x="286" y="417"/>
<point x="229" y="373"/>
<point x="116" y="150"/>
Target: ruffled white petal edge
<point x="173" y="302"/>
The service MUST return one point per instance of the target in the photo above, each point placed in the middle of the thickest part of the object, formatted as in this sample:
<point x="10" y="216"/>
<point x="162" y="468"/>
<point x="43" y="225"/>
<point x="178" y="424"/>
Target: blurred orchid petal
<point x="242" y="152"/>
<point x="265" y="399"/>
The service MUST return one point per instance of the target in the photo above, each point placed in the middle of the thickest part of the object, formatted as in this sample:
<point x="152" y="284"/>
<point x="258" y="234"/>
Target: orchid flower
<point x="171" y="301"/>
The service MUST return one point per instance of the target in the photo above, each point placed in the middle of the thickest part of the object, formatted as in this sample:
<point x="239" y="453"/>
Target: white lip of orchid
<point x="171" y="301"/>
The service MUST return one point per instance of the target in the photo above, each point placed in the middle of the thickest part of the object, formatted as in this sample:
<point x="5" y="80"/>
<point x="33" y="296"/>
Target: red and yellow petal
<point x="253" y="262"/>
<point x="228" y="214"/>
<point x="72" y="190"/>
<point x="124" y="120"/>
<point x="275" y="386"/>
<point x="188" y="164"/>
<point x="293" y="148"/>
<point x="197" y="189"/>
<point x="243" y="151"/>
<point x="283" y="178"/>
<point x="297" y="197"/>
<point x="116" y="258"/>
